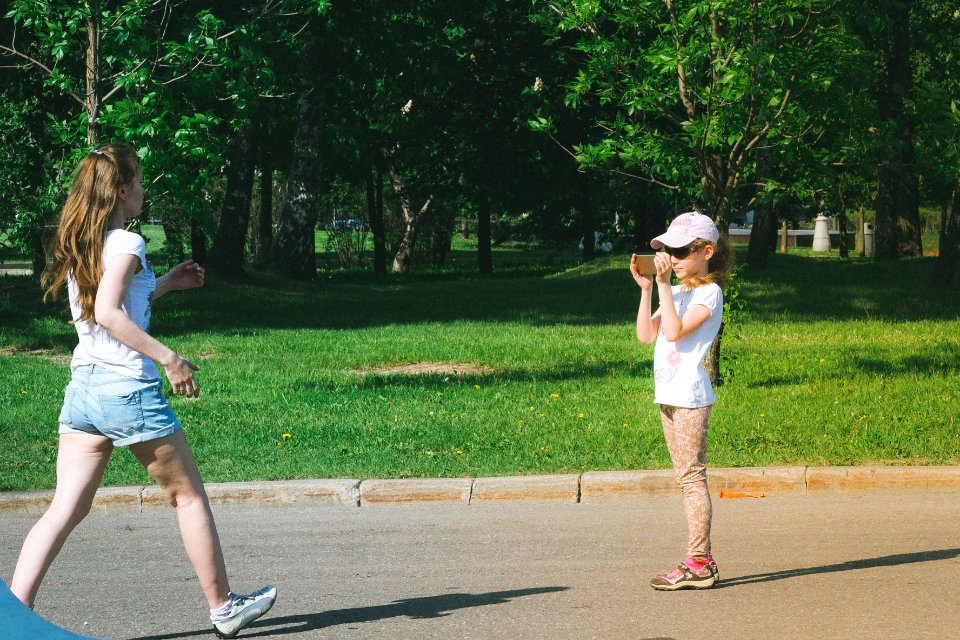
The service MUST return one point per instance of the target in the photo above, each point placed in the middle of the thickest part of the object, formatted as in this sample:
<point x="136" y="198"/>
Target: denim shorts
<point x="125" y="409"/>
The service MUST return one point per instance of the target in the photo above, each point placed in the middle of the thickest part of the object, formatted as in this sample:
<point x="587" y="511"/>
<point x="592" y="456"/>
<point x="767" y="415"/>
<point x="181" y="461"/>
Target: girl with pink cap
<point x="684" y="327"/>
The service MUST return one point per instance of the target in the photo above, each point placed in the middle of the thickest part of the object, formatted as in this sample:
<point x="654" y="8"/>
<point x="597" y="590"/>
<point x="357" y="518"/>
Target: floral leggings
<point x="686" y="434"/>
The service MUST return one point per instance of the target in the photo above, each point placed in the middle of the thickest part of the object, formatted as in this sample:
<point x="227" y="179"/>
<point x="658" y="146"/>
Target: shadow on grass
<point x="795" y="288"/>
<point x="416" y="608"/>
<point x="852" y="565"/>
<point x="805" y="288"/>
<point x="942" y="359"/>
<point x="263" y="302"/>
<point x="792" y="288"/>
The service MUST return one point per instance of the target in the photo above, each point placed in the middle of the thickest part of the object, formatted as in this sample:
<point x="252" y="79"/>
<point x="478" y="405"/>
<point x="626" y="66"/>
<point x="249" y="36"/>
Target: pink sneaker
<point x="689" y="574"/>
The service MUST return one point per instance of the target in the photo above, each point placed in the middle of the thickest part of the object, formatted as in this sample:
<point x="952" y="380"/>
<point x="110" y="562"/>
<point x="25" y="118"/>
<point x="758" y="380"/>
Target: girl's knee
<point x="68" y="514"/>
<point x="181" y="497"/>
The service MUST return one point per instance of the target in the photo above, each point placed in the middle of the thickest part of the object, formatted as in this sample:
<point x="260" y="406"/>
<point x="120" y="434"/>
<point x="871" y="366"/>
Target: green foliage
<point x="28" y="188"/>
<point x="633" y="110"/>
<point x="682" y="92"/>
<point x="735" y="306"/>
<point x="175" y="84"/>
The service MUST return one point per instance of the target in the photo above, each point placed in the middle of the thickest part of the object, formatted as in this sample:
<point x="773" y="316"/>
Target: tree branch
<point x="681" y="74"/>
<point x="184" y="75"/>
<point x="650" y="180"/>
<point x="47" y="69"/>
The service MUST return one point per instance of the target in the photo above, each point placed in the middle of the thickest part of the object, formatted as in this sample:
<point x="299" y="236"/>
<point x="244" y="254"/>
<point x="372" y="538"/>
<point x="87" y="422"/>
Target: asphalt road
<point x="880" y="564"/>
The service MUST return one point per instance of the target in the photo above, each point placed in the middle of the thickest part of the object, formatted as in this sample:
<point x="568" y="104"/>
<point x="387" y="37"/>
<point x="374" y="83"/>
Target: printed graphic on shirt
<point x="668" y="373"/>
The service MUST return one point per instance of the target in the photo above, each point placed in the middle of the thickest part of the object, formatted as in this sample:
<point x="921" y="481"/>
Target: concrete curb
<point x="593" y="486"/>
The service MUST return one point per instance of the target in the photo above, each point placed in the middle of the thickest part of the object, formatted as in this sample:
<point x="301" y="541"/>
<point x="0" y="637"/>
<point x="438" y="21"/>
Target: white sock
<point x="225" y="608"/>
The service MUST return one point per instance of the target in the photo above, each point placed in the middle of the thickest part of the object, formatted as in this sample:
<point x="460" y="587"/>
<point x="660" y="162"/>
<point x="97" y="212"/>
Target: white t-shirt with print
<point x="678" y="374"/>
<point x="97" y="346"/>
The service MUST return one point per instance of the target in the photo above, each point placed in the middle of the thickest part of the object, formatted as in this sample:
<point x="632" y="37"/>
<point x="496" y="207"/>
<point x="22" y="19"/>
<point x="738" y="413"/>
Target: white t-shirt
<point x="678" y="374"/>
<point x="97" y="346"/>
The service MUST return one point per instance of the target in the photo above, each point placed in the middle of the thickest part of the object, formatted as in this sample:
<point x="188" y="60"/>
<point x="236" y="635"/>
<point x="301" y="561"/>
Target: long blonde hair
<point x="718" y="267"/>
<point x="77" y="248"/>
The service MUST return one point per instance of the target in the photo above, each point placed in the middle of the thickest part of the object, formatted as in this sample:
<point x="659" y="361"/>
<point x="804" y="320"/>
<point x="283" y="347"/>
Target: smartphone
<point x="645" y="264"/>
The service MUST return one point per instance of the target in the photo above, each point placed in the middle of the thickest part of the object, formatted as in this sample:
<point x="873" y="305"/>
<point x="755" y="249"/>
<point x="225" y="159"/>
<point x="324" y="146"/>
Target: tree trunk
<point x="175" y="232"/>
<point x="39" y="239"/>
<point x="763" y="232"/>
<point x="842" y="224"/>
<point x="764" y="222"/>
<point x="226" y="255"/>
<point x="375" y="216"/>
<point x="942" y="229"/>
<point x="293" y="252"/>
<point x="897" y="205"/>
<point x="840" y="220"/>
<point x="484" y="241"/>
<point x="92" y="72"/>
<point x="711" y="361"/>
<point x="263" y="237"/>
<point x="714" y="182"/>
<point x="897" y="232"/>
<point x="411" y="220"/>
<point x="442" y="239"/>
<point x="198" y="242"/>
<point x="402" y="258"/>
<point x="861" y="246"/>
<point x="947" y="272"/>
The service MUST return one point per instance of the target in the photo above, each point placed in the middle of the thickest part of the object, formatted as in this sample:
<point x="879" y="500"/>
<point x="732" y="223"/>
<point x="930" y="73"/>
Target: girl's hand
<point x="643" y="280"/>
<point x="180" y="374"/>
<point x="664" y="267"/>
<point x="186" y="275"/>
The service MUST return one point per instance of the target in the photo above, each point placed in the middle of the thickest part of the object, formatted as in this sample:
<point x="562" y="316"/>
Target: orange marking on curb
<point x="737" y="494"/>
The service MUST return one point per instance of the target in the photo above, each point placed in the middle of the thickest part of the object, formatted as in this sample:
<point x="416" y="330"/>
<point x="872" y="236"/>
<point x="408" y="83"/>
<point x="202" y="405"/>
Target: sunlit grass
<point x="837" y="362"/>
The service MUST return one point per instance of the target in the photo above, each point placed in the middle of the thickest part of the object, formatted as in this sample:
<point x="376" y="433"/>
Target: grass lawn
<point x="837" y="362"/>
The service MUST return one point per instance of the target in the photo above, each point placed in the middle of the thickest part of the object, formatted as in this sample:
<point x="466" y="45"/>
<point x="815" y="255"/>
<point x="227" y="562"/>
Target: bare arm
<point x="674" y="327"/>
<point x="647" y="323"/>
<point x="186" y="275"/>
<point x="110" y="315"/>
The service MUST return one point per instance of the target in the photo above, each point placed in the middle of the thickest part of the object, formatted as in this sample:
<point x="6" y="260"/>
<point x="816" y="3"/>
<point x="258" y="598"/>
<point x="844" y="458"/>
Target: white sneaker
<point x="243" y="610"/>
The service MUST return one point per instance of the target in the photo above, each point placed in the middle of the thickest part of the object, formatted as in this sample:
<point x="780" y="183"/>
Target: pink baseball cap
<point x="686" y="228"/>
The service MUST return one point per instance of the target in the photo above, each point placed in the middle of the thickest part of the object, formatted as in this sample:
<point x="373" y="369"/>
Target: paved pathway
<point x="873" y="564"/>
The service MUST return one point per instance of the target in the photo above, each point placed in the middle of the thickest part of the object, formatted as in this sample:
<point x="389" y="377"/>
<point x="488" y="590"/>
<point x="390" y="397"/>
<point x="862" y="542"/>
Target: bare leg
<point x="170" y="462"/>
<point x="81" y="459"/>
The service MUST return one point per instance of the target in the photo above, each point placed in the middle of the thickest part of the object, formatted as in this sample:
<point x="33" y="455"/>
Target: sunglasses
<point x="678" y="252"/>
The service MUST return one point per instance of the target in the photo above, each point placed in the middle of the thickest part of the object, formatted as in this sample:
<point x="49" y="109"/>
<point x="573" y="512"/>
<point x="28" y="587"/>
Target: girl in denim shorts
<point x="114" y="397"/>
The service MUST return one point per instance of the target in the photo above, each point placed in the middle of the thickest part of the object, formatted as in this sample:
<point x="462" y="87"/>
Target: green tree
<point x="938" y="136"/>
<point x="688" y="89"/>
<point x="889" y="26"/>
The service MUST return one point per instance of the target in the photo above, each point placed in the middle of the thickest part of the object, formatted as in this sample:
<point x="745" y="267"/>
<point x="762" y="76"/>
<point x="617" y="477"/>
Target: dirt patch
<point x="47" y="354"/>
<point x="430" y="368"/>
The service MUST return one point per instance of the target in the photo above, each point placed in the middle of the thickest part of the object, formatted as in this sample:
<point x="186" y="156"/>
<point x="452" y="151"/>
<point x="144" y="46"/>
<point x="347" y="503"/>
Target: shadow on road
<point x="863" y="563"/>
<point x="417" y="608"/>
